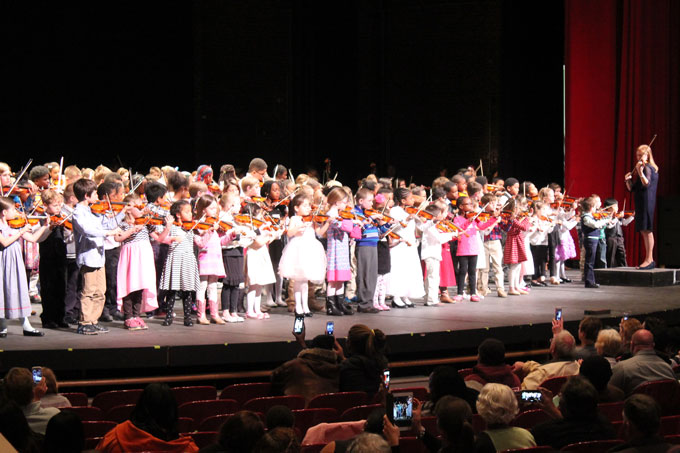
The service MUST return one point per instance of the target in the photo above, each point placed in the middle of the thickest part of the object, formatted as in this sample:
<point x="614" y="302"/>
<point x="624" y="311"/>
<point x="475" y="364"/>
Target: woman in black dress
<point x="642" y="181"/>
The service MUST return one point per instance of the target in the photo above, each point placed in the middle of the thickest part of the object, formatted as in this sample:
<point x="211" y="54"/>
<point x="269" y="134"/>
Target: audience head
<point x="64" y="434"/>
<point x="323" y="342"/>
<point x="588" y="329"/>
<point x="375" y="422"/>
<point x="454" y="417"/>
<point x="241" y="431"/>
<point x="19" y="386"/>
<point x="50" y="380"/>
<point x="641" y="340"/>
<point x="14" y="427"/>
<point x="597" y="370"/>
<point x="445" y="380"/>
<point x="626" y="329"/>
<point x="562" y="345"/>
<point x="364" y="341"/>
<point x="497" y="404"/>
<point x="279" y="416"/>
<point x="156" y="412"/>
<point x="491" y="352"/>
<point x="608" y="343"/>
<point x="579" y="399"/>
<point x="641" y="416"/>
<point x="278" y="440"/>
<point x="369" y="443"/>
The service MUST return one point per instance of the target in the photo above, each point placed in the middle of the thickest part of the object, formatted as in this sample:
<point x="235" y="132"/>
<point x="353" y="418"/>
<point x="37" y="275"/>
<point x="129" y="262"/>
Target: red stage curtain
<point x="622" y="62"/>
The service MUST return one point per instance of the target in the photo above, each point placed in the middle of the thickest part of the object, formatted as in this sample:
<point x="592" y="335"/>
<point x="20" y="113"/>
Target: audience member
<point x="608" y="345"/>
<point x="152" y="426"/>
<point x="15" y="428"/>
<point x="362" y="370"/>
<point x="314" y="371"/>
<point x="641" y="423"/>
<point x="239" y="433"/>
<point x="562" y="363"/>
<point x="64" y="434"/>
<point x="375" y="424"/>
<point x="20" y="388"/>
<point x="279" y="417"/>
<point x="445" y="380"/>
<point x="369" y="443"/>
<point x="626" y="329"/>
<point x="491" y="366"/>
<point x="497" y="405"/>
<point x="588" y="329"/>
<point x="278" y="440"/>
<point x="52" y="398"/>
<point x="598" y="371"/>
<point x="577" y="419"/>
<point x="644" y="366"/>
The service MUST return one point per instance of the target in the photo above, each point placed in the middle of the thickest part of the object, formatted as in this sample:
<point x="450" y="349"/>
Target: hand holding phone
<point x="558" y="314"/>
<point x="402" y="409"/>
<point x="37" y="374"/>
<point x="330" y="328"/>
<point x="299" y="324"/>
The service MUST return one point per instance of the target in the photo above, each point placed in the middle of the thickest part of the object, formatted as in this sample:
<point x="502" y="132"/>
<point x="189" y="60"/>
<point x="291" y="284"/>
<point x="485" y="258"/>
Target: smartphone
<point x="558" y="314"/>
<point x="386" y="379"/>
<point x="402" y="409"/>
<point x="625" y="315"/>
<point x="530" y="396"/>
<point x="330" y="328"/>
<point x="37" y="374"/>
<point x="299" y="324"/>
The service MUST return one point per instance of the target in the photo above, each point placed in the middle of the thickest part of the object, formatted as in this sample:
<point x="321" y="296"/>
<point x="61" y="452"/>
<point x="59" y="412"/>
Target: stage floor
<point x="466" y="322"/>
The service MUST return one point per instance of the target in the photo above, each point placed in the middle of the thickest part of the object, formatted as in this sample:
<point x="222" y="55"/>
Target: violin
<point x="163" y="203"/>
<point x="419" y="212"/>
<point x="102" y="207"/>
<point x="569" y="200"/>
<point x="318" y="218"/>
<point x="246" y="219"/>
<point x="193" y="225"/>
<point x="214" y="188"/>
<point x="395" y="236"/>
<point x="482" y="217"/>
<point x="149" y="220"/>
<point x="626" y="214"/>
<point x="61" y="220"/>
<point x="493" y="188"/>
<point x="222" y="225"/>
<point x="383" y="217"/>
<point x="17" y="190"/>
<point x="20" y="222"/>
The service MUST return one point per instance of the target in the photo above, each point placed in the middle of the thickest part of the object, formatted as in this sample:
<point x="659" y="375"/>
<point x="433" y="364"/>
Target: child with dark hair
<point x="613" y="233"/>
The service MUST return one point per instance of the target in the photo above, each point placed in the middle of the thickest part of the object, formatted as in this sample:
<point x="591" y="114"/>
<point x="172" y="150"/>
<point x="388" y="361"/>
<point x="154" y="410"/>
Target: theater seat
<point x="340" y="401"/>
<point x="594" y="446"/>
<point x="246" y="392"/>
<point x="194" y="393"/>
<point x="293" y="402"/>
<point x="107" y="400"/>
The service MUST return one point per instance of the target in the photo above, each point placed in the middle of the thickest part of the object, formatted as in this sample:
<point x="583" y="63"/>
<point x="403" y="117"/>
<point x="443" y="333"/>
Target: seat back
<point x="120" y="413"/>
<point x="529" y="419"/>
<point x="670" y="425"/>
<point x="359" y="412"/>
<point x="675" y="440"/>
<point x="411" y="445"/>
<point x="293" y="402"/>
<point x="186" y="425"/>
<point x="97" y="428"/>
<point x="554" y="384"/>
<point x="194" y="393"/>
<point x="107" y="400"/>
<point x="200" y="410"/>
<point x="537" y="449"/>
<point x="246" y="392"/>
<point x="593" y="446"/>
<point x="666" y="393"/>
<point x="613" y="411"/>
<point x="86" y="413"/>
<point x="213" y="423"/>
<point x="465" y="372"/>
<point x="203" y="439"/>
<point x="306" y="418"/>
<point x="340" y="401"/>
<point x="76" y="398"/>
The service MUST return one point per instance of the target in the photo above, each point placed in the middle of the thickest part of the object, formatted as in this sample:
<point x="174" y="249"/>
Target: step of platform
<point x="629" y="276"/>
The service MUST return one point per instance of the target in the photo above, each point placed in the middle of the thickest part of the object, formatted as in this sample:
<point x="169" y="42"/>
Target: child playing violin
<point x="303" y="259"/>
<point x="515" y="252"/>
<point x="337" y="253"/>
<point x="136" y="278"/>
<point x="616" y="248"/>
<point x="493" y="249"/>
<point x="468" y="247"/>
<point x="259" y="269"/>
<point x="431" y="251"/>
<point x="383" y="201"/>
<point x="539" y="242"/>
<point x="180" y="274"/>
<point x="565" y="249"/>
<point x="276" y="212"/>
<point x="591" y="229"/>
<point x="14" y="299"/>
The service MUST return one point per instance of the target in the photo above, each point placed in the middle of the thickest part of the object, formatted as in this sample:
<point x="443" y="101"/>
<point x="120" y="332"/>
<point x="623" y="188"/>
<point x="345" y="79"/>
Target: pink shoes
<point x="135" y="324"/>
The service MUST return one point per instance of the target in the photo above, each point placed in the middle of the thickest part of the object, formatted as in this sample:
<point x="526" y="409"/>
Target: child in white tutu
<point x="303" y="258"/>
<point x="259" y="269"/>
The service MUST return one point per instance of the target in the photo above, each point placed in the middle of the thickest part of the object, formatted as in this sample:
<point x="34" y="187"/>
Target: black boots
<point x="341" y="305"/>
<point x="331" y="306"/>
<point x="169" y="306"/>
<point x="187" y="312"/>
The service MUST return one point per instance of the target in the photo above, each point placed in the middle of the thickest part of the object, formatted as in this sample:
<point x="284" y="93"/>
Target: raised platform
<point x="522" y="322"/>
<point x="629" y="276"/>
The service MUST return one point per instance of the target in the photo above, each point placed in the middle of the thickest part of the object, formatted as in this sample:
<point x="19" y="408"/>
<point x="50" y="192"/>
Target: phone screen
<point x="299" y="323"/>
<point x="37" y="374"/>
<point x="625" y="316"/>
<point x="402" y="409"/>
<point x="386" y="379"/>
<point x="531" y="396"/>
<point x="330" y="328"/>
<point x="558" y="314"/>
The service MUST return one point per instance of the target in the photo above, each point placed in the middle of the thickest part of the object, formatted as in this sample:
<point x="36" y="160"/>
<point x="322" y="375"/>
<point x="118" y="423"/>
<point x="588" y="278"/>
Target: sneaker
<point x="458" y="298"/>
<point x="384" y="307"/>
<point x="86" y="329"/>
<point x="237" y="317"/>
<point x="474" y="298"/>
<point x="431" y="303"/>
<point x="132" y="324"/>
<point x="100" y="329"/>
<point x="141" y="323"/>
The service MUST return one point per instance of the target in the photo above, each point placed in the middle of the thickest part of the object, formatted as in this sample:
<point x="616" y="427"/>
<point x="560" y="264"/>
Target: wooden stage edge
<point x="421" y="334"/>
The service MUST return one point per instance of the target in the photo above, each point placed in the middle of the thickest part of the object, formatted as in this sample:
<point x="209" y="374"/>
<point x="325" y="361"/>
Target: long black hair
<point x="156" y="412"/>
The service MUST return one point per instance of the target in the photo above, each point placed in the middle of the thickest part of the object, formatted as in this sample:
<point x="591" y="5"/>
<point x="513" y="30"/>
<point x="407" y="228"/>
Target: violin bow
<point x="286" y="197"/>
<point x="652" y="141"/>
<point x="18" y="178"/>
<point x="108" y="200"/>
<point x="61" y="168"/>
<point x="472" y="220"/>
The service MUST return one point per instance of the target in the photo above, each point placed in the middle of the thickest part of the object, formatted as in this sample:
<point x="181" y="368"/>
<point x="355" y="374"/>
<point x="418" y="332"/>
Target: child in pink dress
<point x="515" y="252"/>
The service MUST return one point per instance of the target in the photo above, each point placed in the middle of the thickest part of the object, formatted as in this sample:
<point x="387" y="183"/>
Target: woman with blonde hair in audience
<point x="608" y="345"/>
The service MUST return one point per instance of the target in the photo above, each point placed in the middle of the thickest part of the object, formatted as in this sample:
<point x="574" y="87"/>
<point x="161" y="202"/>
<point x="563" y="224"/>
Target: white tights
<point x="209" y="285"/>
<point x="253" y="299"/>
<point x="301" y="290"/>
<point x="335" y="289"/>
<point x="515" y="277"/>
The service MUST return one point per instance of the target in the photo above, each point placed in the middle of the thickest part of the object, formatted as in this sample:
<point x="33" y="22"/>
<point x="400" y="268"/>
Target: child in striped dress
<point x="210" y="264"/>
<point x="338" y="269"/>
<point x="136" y="276"/>
<point x="180" y="274"/>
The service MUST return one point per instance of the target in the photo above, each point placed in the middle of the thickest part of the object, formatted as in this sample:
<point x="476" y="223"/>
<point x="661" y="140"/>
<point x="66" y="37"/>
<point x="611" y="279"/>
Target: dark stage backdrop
<point x="623" y="63"/>
<point x="421" y="85"/>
